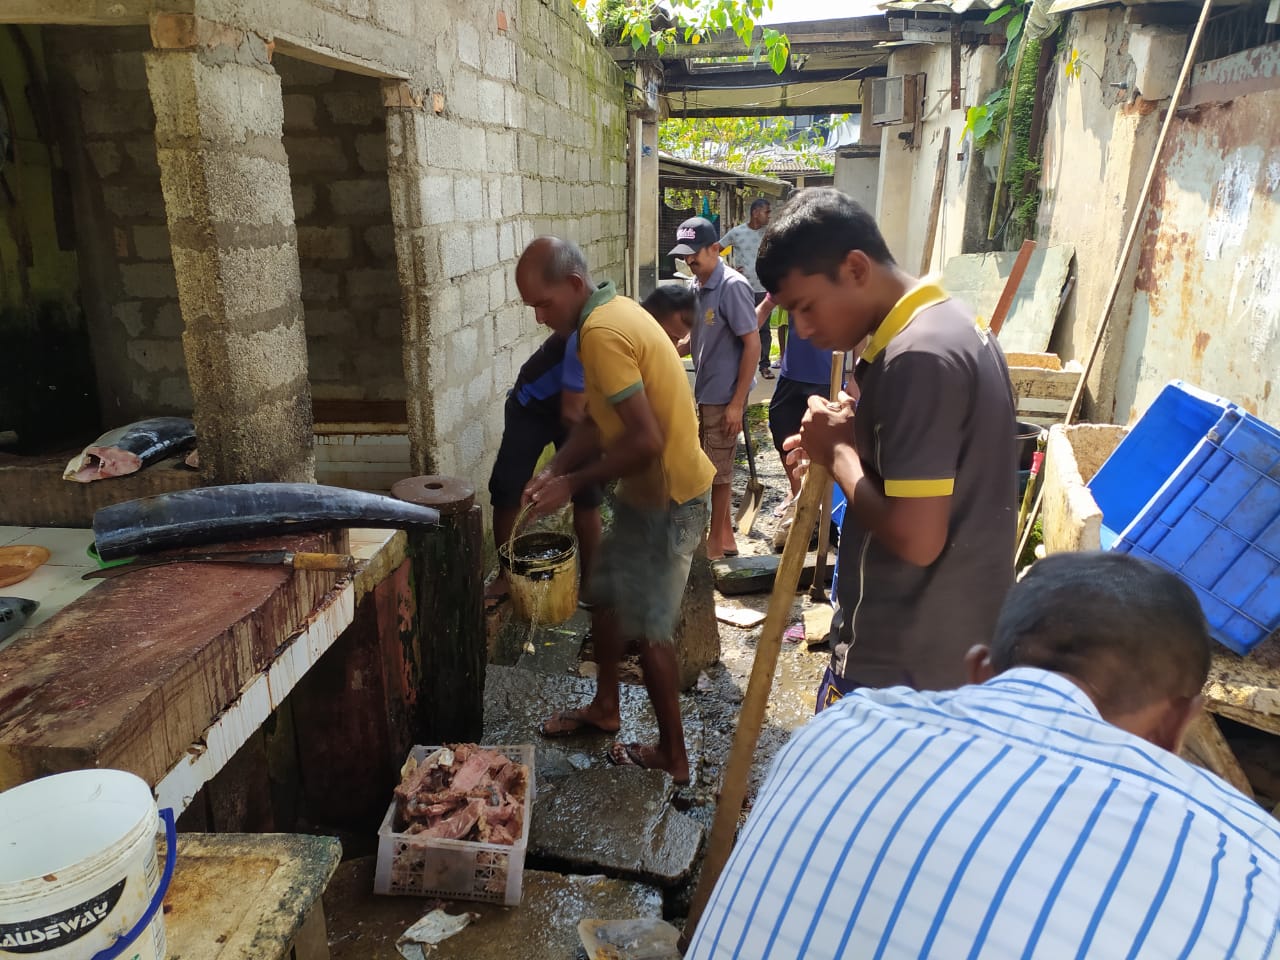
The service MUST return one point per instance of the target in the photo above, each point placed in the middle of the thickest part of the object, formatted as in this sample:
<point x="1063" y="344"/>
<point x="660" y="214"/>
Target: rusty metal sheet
<point x="979" y="278"/>
<point x="1206" y="305"/>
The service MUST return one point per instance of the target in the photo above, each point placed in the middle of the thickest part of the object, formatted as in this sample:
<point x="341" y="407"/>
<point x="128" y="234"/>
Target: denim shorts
<point x="643" y="566"/>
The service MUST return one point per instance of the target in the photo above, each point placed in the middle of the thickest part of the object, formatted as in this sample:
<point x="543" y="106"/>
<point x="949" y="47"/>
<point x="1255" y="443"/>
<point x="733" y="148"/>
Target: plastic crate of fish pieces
<point x="413" y="865"/>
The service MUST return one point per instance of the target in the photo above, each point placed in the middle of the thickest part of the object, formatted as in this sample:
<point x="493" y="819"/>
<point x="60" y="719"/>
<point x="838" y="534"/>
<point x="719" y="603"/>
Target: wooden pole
<point x="1135" y="224"/>
<point x="1011" y="286"/>
<point x="935" y="205"/>
<point x="818" y="591"/>
<point x="733" y="790"/>
<point x="448" y="581"/>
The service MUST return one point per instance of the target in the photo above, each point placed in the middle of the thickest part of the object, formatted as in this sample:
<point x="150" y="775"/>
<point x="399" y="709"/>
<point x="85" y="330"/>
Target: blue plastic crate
<point x="1179" y="418"/>
<point x="1215" y="521"/>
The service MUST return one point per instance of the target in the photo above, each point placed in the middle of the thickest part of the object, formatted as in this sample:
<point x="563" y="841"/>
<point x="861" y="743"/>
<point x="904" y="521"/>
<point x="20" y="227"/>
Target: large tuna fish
<point x="128" y="449"/>
<point x="235" y="512"/>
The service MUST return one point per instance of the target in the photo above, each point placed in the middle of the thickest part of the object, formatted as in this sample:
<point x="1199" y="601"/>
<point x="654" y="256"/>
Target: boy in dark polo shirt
<point x="926" y="462"/>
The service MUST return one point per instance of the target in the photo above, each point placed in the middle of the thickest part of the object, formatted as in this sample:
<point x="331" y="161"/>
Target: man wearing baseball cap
<point x="725" y="344"/>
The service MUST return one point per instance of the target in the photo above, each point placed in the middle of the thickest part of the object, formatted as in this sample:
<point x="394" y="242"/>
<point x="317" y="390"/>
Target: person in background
<point x="674" y="306"/>
<point x="927" y="464"/>
<point x="547" y="399"/>
<point x="725" y="346"/>
<point x="743" y="243"/>
<point x="1042" y="813"/>
<point x="805" y="373"/>
<point x="641" y="430"/>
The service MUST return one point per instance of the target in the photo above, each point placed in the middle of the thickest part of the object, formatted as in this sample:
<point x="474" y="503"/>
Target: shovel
<point x="754" y="494"/>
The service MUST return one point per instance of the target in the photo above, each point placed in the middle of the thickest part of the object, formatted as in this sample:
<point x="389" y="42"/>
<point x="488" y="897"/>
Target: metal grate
<point x="1239" y="28"/>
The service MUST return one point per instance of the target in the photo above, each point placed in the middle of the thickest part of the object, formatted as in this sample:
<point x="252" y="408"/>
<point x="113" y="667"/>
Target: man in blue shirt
<point x="805" y="373"/>
<point x="547" y="399"/>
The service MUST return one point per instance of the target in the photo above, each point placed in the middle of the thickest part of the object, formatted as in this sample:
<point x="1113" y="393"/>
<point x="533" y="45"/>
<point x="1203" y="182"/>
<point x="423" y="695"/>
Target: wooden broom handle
<point x="339" y="562"/>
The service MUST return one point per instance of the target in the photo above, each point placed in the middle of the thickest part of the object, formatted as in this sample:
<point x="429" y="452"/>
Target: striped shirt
<point x="1002" y="820"/>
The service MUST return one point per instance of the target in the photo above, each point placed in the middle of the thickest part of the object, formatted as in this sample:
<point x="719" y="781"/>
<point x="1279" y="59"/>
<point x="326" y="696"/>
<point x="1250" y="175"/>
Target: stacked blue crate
<point x="1213" y="518"/>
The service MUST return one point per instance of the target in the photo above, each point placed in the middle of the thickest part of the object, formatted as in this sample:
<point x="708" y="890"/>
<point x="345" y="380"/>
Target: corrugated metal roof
<point x="943" y="6"/>
<point x="709" y="171"/>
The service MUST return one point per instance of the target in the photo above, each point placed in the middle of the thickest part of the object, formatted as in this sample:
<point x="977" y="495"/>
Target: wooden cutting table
<point x="168" y="671"/>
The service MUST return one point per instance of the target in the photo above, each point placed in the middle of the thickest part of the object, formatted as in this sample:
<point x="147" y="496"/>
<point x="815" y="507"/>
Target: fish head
<point x="17" y="607"/>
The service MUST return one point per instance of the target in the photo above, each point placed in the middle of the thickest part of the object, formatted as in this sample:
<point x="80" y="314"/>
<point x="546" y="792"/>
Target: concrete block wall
<point x="518" y="128"/>
<point x="530" y="140"/>
<point x="132" y="299"/>
<point x="335" y="136"/>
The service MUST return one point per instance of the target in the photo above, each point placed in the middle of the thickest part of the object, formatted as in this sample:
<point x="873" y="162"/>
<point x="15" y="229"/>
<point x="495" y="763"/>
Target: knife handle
<point x="339" y="562"/>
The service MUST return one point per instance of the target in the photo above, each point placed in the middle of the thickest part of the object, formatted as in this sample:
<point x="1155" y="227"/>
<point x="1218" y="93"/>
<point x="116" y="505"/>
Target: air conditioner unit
<point x="893" y="100"/>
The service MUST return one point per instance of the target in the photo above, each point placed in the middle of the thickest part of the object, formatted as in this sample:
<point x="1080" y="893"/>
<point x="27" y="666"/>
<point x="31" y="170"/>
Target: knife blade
<point x="334" y="562"/>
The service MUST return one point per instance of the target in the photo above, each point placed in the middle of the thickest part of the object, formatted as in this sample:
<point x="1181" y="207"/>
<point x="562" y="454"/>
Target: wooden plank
<point x="343" y="736"/>
<point x="240" y="796"/>
<point x="248" y="896"/>
<point x="359" y="411"/>
<point x="33" y="493"/>
<point x="1208" y="747"/>
<point x="133" y="672"/>
<point x="940" y="176"/>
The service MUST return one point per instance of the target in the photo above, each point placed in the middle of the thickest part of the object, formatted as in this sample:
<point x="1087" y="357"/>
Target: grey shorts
<point x="643" y="566"/>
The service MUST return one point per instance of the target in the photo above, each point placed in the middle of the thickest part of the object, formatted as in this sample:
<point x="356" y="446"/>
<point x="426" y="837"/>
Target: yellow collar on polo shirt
<point x="926" y="294"/>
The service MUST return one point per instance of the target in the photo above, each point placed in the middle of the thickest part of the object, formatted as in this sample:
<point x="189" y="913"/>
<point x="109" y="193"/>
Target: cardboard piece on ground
<point x="739" y="616"/>
<point x="979" y="278"/>
<point x="817" y="623"/>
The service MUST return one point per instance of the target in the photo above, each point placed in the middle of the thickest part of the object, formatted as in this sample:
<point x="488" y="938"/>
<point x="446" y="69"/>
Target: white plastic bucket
<point x="78" y="870"/>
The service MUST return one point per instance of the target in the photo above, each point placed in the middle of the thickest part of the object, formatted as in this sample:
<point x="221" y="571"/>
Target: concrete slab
<point x="979" y="278"/>
<point x="739" y="575"/>
<point x="363" y="926"/>
<point x="619" y="822"/>
<point x="555" y="649"/>
<point x="517" y="701"/>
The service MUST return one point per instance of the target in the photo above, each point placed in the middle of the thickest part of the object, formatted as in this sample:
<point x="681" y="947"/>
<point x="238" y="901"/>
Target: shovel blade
<point x="752" y="497"/>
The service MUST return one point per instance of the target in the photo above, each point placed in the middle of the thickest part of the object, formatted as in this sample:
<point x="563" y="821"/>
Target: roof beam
<point x="760" y="79"/>
<point x="113" y="13"/>
<point x="782" y="110"/>
<point x="734" y="48"/>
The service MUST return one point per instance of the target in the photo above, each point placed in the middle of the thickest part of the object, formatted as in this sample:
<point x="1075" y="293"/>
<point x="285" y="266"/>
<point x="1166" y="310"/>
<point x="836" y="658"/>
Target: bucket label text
<point x="58" y="929"/>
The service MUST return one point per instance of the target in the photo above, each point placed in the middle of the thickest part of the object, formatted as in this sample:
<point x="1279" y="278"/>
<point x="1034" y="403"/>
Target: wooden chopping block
<point x="132" y="673"/>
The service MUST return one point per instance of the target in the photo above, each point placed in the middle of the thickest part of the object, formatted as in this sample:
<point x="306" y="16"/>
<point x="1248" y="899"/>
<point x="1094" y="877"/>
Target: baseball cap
<point x="692" y="235"/>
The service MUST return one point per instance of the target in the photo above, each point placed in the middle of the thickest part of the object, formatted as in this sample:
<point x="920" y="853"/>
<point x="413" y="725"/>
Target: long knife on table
<point x="335" y="562"/>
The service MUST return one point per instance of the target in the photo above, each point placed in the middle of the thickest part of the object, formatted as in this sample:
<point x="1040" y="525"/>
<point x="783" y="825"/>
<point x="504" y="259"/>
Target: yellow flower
<point x="1072" y="70"/>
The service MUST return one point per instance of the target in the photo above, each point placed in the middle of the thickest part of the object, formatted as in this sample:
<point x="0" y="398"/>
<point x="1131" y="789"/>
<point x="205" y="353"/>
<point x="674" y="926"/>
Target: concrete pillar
<point x="418" y="260"/>
<point x="230" y="211"/>
<point x="644" y="184"/>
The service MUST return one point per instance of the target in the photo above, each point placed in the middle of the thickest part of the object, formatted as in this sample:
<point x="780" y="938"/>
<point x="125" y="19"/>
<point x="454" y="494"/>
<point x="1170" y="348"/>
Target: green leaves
<point x="998" y="14"/>
<point x="1014" y="28"/>
<point x="696" y="21"/>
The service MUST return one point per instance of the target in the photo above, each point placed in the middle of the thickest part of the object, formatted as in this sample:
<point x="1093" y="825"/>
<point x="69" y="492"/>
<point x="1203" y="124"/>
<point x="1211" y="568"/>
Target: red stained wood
<point x="132" y="673"/>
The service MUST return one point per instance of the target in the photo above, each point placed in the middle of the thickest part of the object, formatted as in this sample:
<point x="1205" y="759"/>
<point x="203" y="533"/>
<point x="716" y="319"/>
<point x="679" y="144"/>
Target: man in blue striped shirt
<point x="1042" y="813"/>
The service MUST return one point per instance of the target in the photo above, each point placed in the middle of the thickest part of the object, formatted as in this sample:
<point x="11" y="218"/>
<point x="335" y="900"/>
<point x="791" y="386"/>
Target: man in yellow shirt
<point x="642" y="430"/>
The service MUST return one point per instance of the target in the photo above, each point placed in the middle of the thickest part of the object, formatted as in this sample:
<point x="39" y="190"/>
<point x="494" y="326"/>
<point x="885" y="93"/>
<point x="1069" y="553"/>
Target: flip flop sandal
<point x="579" y="724"/>
<point x="628" y="755"/>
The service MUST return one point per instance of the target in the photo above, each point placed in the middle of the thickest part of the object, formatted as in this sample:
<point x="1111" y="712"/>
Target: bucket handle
<point x="125" y="941"/>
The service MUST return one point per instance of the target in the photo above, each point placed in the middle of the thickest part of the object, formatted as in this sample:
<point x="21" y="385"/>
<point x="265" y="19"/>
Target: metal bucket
<point x="543" y="577"/>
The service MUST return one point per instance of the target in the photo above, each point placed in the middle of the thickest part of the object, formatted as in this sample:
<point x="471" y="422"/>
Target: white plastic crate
<point x="419" y="866"/>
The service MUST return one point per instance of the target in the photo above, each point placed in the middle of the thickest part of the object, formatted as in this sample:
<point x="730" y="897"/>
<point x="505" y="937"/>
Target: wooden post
<point x="448" y="581"/>
<point x="935" y="204"/>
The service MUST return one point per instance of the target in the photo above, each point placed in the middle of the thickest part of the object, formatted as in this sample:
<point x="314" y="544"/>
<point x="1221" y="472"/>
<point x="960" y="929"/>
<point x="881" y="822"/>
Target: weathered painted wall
<point x="907" y="175"/>
<point x="1206" y="307"/>
<point x="1098" y="143"/>
<point x="859" y="178"/>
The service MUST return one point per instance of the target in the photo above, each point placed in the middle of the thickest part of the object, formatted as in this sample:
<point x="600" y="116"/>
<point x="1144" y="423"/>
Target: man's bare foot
<point x="648" y="757"/>
<point x="588" y="719"/>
